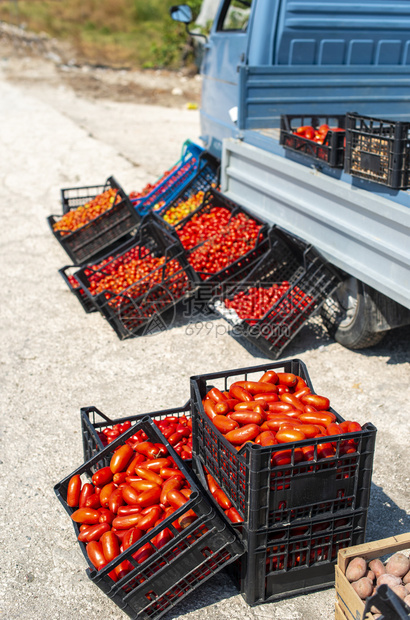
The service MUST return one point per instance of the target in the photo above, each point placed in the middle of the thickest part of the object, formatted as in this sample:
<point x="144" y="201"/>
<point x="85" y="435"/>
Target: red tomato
<point x="121" y="458"/>
<point x="90" y="516"/>
<point x="287" y="435"/>
<point x="102" y="477"/>
<point x="243" y="434"/>
<point x="96" y="555"/>
<point x="73" y="491"/>
<point x="110" y="546"/>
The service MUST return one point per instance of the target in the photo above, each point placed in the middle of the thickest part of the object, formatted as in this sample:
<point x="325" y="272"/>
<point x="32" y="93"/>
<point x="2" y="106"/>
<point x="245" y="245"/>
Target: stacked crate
<point x="296" y="516"/>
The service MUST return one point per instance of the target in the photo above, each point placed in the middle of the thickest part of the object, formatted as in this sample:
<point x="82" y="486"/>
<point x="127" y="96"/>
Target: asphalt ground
<point x="56" y="359"/>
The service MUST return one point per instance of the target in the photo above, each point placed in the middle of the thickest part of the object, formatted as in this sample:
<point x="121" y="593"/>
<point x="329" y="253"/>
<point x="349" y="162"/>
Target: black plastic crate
<point x="310" y="281"/>
<point x="268" y="496"/>
<point x="94" y="421"/>
<point x="205" y="178"/>
<point x="192" y="556"/>
<point x="67" y="273"/>
<point x="236" y="267"/>
<point x="294" y="560"/>
<point x="92" y="238"/>
<point x="148" y="304"/>
<point x="290" y="559"/>
<point x="378" y="150"/>
<point x="331" y="152"/>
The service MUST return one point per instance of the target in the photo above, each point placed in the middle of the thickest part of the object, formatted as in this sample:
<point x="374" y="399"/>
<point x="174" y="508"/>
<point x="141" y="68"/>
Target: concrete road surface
<point x="56" y="359"/>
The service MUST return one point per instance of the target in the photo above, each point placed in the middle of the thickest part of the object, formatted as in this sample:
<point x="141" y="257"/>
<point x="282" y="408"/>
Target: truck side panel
<point x="364" y="234"/>
<point x="268" y="92"/>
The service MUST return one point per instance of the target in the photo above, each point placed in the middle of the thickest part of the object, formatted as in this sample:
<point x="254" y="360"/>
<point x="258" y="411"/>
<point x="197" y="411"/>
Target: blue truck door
<point x="223" y="53"/>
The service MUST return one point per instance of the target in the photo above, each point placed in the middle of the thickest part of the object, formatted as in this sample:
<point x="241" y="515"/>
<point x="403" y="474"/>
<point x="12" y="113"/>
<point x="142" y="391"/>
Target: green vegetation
<point x="132" y="33"/>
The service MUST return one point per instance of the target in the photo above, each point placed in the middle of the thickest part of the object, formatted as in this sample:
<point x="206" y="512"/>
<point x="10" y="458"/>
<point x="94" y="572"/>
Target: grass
<point x="132" y="33"/>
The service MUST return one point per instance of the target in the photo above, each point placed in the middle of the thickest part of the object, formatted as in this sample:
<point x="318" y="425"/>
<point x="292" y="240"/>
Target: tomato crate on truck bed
<point x="91" y="238"/>
<point x="172" y="567"/>
<point x="271" y="304"/>
<point x="139" y="302"/>
<point x="191" y="196"/>
<point x="378" y="150"/>
<point x="94" y="422"/>
<point x="330" y="151"/>
<point x="269" y="495"/>
<point x="290" y="559"/>
<point x="192" y="161"/>
<point x="224" y="250"/>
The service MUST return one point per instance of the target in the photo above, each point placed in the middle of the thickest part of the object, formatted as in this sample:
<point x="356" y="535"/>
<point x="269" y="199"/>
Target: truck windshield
<point x="235" y="15"/>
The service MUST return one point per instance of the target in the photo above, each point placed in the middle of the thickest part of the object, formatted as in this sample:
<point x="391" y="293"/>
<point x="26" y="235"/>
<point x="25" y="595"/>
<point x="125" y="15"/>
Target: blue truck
<point x="264" y="60"/>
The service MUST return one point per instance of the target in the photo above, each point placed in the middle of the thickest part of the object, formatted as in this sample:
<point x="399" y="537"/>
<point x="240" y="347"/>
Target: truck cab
<point x="267" y="58"/>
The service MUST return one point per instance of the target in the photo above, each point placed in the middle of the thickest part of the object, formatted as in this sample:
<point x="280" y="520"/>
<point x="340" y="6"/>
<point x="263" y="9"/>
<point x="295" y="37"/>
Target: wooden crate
<point x="339" y="614"/>
<point x="348" y="601"/>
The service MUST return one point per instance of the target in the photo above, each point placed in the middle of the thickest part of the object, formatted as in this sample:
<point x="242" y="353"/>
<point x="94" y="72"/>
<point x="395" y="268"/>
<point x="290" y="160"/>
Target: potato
<point x="390" y="580"/>
<point x="363" y="587"/>
<point x="398" y="564"/>
<point x="407" y="586"/>
<point x="407" y="600"/>
<point x="400" y="591"/>
<point x="370" y="575"/>
<point x="356" y="569"/>
<point x="377" y="567"/>
<point x="406" y="577"/>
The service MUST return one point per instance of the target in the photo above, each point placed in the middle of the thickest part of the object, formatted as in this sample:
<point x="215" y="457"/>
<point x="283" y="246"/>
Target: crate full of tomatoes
<point x="285" y="289"/>
<point x="159" y="194"/>
<point x="221" y="240"/>
<point x="145" y="527"/>
<point x="98" y="430"/>
<point x="278" y="450"/>
<point x="321" y="138"/>
<point x="191" y="196"/>
<point x="137" y="287"/>
<point x="94" y="218"/>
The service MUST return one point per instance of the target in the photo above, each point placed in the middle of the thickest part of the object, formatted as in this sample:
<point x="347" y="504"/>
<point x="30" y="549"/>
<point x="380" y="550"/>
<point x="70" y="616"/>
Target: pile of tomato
<point x="141" y="487"/>
<point x="216" y="238"/>
<point x="177" y="213"/>
<point x="277" y="410"/>
<point x="76" y="218"/>
<point x="136" y="271"/>
<point x="177" y="430"/>
<point x="316" y="135"/>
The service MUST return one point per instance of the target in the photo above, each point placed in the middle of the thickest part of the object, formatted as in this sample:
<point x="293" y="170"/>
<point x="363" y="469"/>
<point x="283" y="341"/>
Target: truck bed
<point x="364" y="233"/>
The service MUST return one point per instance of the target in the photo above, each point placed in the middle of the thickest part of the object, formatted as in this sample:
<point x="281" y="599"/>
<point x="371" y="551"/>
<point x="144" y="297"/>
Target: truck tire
<point x="350" y="316"/>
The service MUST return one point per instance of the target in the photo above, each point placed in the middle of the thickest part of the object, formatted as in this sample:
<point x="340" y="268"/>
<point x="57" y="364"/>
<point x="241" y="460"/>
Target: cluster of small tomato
<point x="141" y="488"/>
<point x="277" y="410"/>
<point x="222" y="239"/>
<point x="137" y="271"/>
<point x="316" y="135"/>
<point x="257" y="301"/>
<point x="76" y="218"/>
<point x="176" y="430"/>
<point x="73" y="283"/>
<point x="177" y="212"/>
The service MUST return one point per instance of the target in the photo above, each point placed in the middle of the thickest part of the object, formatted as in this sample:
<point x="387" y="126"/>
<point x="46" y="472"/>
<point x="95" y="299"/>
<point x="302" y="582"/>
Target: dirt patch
<point x="38" y="59"/>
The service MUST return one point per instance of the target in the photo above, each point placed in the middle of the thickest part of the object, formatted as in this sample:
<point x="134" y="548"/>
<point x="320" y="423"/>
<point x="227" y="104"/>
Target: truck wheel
<point x="350" y="314"/>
